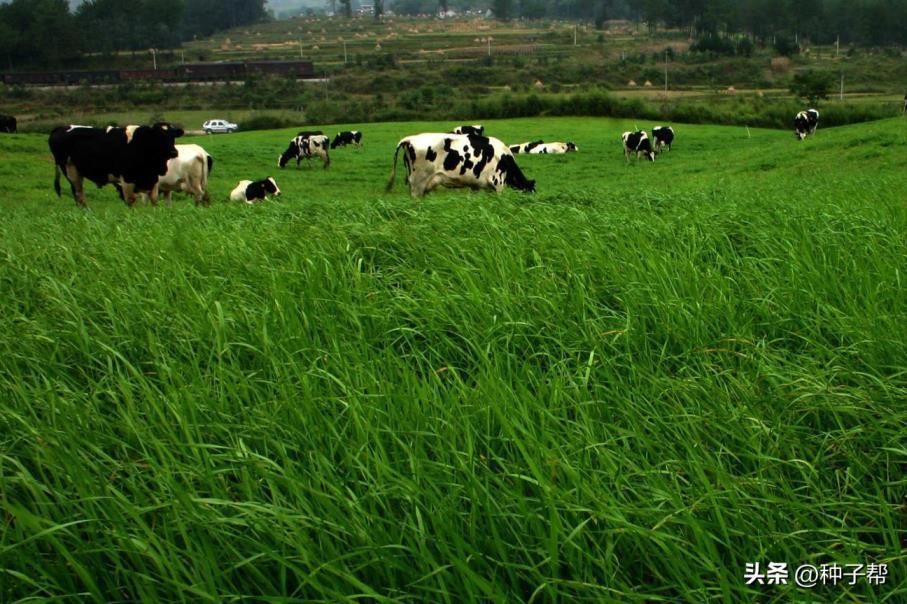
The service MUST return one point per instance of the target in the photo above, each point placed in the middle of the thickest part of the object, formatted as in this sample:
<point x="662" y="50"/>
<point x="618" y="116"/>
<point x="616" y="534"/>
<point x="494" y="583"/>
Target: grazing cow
<point x="134" y="158"/>
<point x="542" y="148"/>
<point x="806" y="123"/>
<point x="250" y="192"/>
<point x="475" y="129"/>
<point x="457" y="160"/>
<point x="639" y="143"/>
<point x="348" y="137"/>
<point x="306" y="146"/>
<point x="664" y="137"/>
<point x="7" y="123"/>
<point x="188" y="173"/>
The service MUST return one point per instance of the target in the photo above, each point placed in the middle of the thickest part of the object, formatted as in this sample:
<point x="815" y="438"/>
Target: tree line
<point x="46" y="33"/>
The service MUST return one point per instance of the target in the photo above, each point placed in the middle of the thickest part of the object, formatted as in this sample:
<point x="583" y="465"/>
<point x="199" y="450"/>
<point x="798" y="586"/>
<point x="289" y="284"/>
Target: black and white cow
<point x="542" y="148"/>
<point x="637" y="142"/>
<point x="476" y="129"/>
<point x="457" y="160"/>
<point x="805" y="123"/>
<point x="306" y="146"/>
<point x="7" y="124"/>
<point x="134" y="158"/>
<point x="664" y="137"/>
<point x="188" y="173"/>
<point x="249" y="192"/>
<point x="525" y="147"/>
<point x="347" y="137"/>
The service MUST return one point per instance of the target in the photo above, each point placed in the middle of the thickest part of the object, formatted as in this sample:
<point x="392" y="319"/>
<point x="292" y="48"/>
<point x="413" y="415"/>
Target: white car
<point x="212" y="126"/>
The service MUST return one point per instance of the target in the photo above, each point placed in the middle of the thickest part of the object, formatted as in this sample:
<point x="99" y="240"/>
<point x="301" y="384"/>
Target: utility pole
<point x="837" y="45"/>
<point x="344" y="52"/>
<point x="154" y="57"/>
<point x="574" y="33"/>
<point x="300" y="50"/>
<point x="489" y="46"/>
<point x="666" y="74"/>
<point x="842" y="87"/>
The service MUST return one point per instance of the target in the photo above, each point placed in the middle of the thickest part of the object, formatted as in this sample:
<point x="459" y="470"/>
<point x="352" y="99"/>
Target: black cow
<point x="664" y="137"/>
<point x="134" y="158"/>
<point x="348" y="137"/>
<point x="805" y="123"/>
<point x="475" y="129"/>
<point x="7" y="123"/>
<point x="639" y="143"/>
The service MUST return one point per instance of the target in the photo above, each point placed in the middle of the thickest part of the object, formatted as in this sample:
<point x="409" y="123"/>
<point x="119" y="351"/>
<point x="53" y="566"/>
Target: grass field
<point x="622" y="388"/>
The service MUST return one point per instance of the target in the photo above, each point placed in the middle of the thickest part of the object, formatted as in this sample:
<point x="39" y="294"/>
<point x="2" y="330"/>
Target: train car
<point x="200" y="72"/>
<point x="291" y="69"/>
<point x="105" y="76"/>
<point x="34" y="78"/>
<point x="148" y="75"/>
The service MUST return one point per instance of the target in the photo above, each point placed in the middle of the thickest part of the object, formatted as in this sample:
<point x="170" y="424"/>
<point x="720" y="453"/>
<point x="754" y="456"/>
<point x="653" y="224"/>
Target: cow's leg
<point x="154" y="193"/>
<point x="417" y="183"/>
<point x="168" y="198"/>
<point x="76" y="184"/>
<point x="129" y="194"/>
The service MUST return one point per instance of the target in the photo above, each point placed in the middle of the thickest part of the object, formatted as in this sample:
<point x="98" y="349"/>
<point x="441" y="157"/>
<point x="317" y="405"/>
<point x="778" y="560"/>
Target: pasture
<point x="624" y="387"/>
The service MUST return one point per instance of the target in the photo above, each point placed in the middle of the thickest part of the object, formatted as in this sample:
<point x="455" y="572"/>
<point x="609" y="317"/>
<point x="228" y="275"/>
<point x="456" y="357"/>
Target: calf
<point x="188" y="173"/>
<point x="664" y="137"/>
<point x="542" y="148"/>
<point x="457" y="160"/>
<point x="7" y="124"/>
<point x="639" y="143"/>
<point x="306" y="146"/>
<point x="476" y="129"/>
<point x="805" y="123"/>
<point x="349" y="137"/>
<point x="134" y="158"/>
<point x="250" y="192"/>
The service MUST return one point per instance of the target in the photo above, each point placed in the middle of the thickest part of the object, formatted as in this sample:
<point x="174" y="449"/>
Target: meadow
<point x="622" y="388"/>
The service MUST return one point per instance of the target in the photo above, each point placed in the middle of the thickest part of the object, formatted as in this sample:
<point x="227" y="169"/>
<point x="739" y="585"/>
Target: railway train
<point x="189" y="72"/>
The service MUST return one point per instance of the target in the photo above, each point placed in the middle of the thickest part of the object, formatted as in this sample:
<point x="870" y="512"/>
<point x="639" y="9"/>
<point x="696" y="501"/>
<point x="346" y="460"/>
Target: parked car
<point x="212" y="126"/>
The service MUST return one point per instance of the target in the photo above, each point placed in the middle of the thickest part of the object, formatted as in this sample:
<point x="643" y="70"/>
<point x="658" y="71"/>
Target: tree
<point x="347" y="8"/>
<point x="379" y="9"/>
<point x="503" y="9"/>
<point x="812" y="86"/>
<point x="38" y="32"/>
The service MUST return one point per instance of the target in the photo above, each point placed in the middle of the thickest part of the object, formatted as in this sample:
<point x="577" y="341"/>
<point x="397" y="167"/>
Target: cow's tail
<point x="393" y="178"/>
<point x="210" y="164"/>
<point x="57" y="179"/>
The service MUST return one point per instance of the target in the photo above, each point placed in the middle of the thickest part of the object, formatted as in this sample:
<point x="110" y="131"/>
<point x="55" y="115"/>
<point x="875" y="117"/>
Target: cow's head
<point x="291" y="152"/>
<point x="271" y="187"/>
<point x="150" y="148"/>
<point x="513" y="176"/>
<point x="572" y="147"/>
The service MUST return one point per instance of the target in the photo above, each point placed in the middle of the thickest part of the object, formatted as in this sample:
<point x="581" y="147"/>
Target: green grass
<point x="622" y="388"/>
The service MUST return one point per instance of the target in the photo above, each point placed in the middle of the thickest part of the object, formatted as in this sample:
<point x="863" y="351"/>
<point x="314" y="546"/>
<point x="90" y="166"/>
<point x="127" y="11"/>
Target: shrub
<point x="811" y="85"/>
<point x="266" y="121"/>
